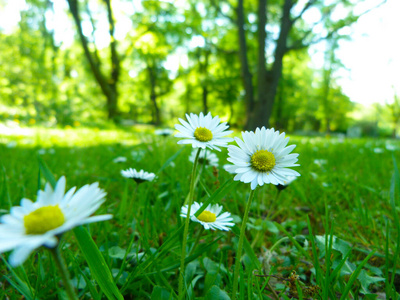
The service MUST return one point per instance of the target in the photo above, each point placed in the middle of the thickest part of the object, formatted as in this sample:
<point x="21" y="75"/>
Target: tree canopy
<point x="151" y="61"/>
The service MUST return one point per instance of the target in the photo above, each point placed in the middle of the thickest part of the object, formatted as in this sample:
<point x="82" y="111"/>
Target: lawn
<point x="332" y="233"/>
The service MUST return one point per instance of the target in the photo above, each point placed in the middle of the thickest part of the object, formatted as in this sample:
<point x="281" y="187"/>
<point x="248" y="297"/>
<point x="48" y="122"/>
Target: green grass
<point x="336" y="226"/>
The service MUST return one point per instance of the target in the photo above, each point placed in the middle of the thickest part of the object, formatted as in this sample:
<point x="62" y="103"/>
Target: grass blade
<point x="247" y="247"/>
<point x="291" y="238"/>
<point x="47" y="173"/>
<point x="354" y="276"/>
<point x="97" y="264"/>
<point x="217" y="195"/>
<point x="170" y="160"/>
<point x="20" y="285"/>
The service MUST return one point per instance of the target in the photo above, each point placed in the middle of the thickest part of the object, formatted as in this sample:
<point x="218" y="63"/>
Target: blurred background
<point x="311" y="67"/>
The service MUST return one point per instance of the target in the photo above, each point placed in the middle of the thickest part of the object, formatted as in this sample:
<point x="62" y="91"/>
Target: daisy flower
<point x="35" y="224"/>
<point x="203" y="131"/>
<point x="207" y="157"/>
<point x="210" y="218"/>
<point x="262" y="157"/>
<point x="139" y="177"/>
<point x="164" y="132"/>
<point x="119" y="159"/>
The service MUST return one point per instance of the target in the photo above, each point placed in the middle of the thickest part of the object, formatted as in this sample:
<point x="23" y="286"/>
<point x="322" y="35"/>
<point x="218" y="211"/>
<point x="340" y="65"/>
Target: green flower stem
<point x="62" y="269"/>
<point x="199" y="235"/>
<point x="278" y="193"/>
<point x="181" y="288"/>
<point x="240" y="246"/>
<point x="278" y="243"/>
<point x="134" y="199"/>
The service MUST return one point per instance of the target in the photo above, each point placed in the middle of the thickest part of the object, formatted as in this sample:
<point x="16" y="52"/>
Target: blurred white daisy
<point x="164" y="132"/>
<point x="11" y="144"/>
<point x="138" y="155"/>
<point x="203" y="131"/>
<point x="391" y="147"/>
<point x="320" y="162"/>
<point x="34" y="224"/>
<point x="119" y="159"/>
<point x="210" y="218"/>
<point x="138" y="176"/>
<point x="262" y="157"/>
<point x="207" y="157"/>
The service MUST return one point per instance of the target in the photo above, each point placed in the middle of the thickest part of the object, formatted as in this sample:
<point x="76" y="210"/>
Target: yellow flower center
<point x="262" y="161"/>
<point x="203" y="134"/>
<point x="207" y="216"/>
<point x="43" y="219"/>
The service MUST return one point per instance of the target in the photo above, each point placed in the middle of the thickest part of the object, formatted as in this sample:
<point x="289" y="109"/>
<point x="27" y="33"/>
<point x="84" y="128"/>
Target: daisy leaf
<point x="367" y="280"/>
<point x="354" y="276"/>
<point x="160" y="293"/>
<point x="216" y="293"/>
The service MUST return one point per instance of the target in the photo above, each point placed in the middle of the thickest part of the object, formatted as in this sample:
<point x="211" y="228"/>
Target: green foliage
<point x="337" y="230"/>
<point x="94" y="258"/>
<point x="174" y="59"/>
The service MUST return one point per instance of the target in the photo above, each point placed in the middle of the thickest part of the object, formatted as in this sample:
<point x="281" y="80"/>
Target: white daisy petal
<point x="262" y="157"/>
<point x="210" y="218"/>
<point x="203" y="132"/>
<point x="139" y="177"/>
<point x="32" y="225"/>
<point x="248" y="176"/>
<point x="286" y="151"/>
<point x="8" y="244"/>
<point x="253" y="184"/>
<point x="19" y="255"/>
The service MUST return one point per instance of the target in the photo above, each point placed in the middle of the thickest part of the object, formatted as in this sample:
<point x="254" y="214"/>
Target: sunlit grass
<point x="344" y="184"/>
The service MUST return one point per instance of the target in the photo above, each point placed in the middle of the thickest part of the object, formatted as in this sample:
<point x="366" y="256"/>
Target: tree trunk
<point x="107" y="86"/>
<point x="153" y="95"/>
<point x="112" y="102"/>
<point x="262" y="87"/>
<point x="325" y="100"/>
<point x="279" y="123"/>
<point x="267" y="98"/>
<point x="244" y="64"/>
<point x="204" y="71"/>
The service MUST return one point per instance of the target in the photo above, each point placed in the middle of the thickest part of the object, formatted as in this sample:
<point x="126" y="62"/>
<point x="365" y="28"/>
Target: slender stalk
<point x="278" y="193"/>
<point x="181" y="288"/>
<point x="62" y="269"/>
<point x="197" y="240"/>
<point x="134" y="198"/>
<point x="278" y="243"/>
<point x="240" y="246"/>
<point x="276" y="297"/>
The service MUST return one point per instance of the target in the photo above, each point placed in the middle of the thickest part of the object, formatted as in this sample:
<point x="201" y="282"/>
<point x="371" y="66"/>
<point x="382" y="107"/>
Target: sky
<point x="374" y="56"/>
<point x="371" y="58"/>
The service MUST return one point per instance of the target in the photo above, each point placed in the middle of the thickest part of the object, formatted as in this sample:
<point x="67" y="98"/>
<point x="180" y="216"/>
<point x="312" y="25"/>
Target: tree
<point x="108" y="85"/>
<point x="394" y="112"/>
<point x="288" y="32"/>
